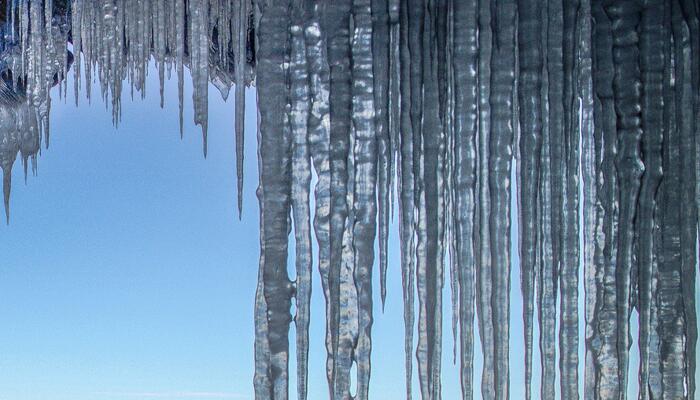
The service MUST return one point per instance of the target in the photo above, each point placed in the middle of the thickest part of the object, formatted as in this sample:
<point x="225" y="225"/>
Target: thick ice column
<point x="465" y="67"/>
<point x="428" y="140"/>
<point x="261" y="378"/>
<point x="529" y="99"/>
<point x="500" y="147"/>
<point x="274" y="147"/>
<point x="590" y="169"/>
<point x="9" y="147"/>
<point x="625" y="16"/>
<point x="483" y="241"/>
<point x="301" y="179"/>
<point x="669" y="296"/>
<point x="652" y="45"/>
<point x="546" y="269"/>
<point x="604" y="341"/>
<point x="319" y="139"/>
<point x="569" y="229"/>
<point x="365" y="174"/>
<point x="684" y="17"/>
<point x="336" y="25"/>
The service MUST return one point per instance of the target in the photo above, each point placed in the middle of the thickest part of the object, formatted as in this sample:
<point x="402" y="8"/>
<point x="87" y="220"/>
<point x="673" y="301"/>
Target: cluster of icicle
<point x="29" y="68"/>
<point x="594" y="105"/>
<point x="113" y="41"/>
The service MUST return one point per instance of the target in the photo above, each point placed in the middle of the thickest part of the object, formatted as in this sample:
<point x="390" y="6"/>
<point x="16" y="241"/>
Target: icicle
<point x="336" y="25"/>
<point x="319" y="143"/>
<point x="448" y="173"/>
<point x="76" y="23"/>
<point x="465" y="65"/>
<point x="394" y="99"/>
<point x="432" y="83"/>
<point x="159" y="46"/>
<point x="429" y="259"/>
<point x="547" y="270"/>
<point x="529" y="92"/>
<point x="685" y="78"/>
<point x="406" y="192"/>
<point x="364" y="198"/>
<point x="274" y="193"/>
<point x="569" y="234"/>
<point x="380" y="61"/>
<point x="261" y="379"/>
<point x="180" y="12"/>
<point x="199" y="63"/>
<point x="240" y="24"/>
<point x="627" y="90"/>
<point x="301" y="179"/>
<point x="605" y="357"/>
<point x="483" y="243"/>
<point x="502" y="78"/>
<point x="652" y="35"/>
<point x="7" y="159"/>
<point x="590" y="169"/>
<point x="669" y="290"/>
<point x="415" y="33"/>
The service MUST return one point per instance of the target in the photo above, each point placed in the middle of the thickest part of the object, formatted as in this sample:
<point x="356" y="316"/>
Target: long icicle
<point x="416" y="21"/>
<point x="274" y="191"/>
<point x="546" y="274"/>
<point x="319" y="138"/>
<point x="365" y="204"/>
<point x="465" y="59"/>
<point x="605" y="383"/>
<point x="686" y="77"/>
<point x="483" y="241"/>
<point x="406" y="194"/>
<point x="569" y="212"/>
<point x="546" y="290"/>
<point x="301" y="179"/>
<point x="529" y="93"/>
<point x="500" y="161"/>
<point x="590" y="168"/>
<point x="669" y="291"/>
<point x="428" y="231"/>
<point x="380" y="71"/>
<point x="348" y="85"/>
<point x="652" y="36"/>
<point x="335" y="24"/>
<point x="240" y="24"/>
<point x="557" y="155"/>
<point x="198" y="17"/>
<point x="625" y="16"/>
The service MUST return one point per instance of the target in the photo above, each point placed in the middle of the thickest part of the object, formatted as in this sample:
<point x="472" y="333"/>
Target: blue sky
<point x="126" y="273"/>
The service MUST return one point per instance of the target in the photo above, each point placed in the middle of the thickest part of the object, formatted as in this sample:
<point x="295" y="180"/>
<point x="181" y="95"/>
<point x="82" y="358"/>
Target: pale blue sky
<point x="126" y="273"/>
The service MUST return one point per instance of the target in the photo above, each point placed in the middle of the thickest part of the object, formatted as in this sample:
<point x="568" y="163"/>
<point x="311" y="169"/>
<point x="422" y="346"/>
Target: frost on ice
<point x="592" y="105"/>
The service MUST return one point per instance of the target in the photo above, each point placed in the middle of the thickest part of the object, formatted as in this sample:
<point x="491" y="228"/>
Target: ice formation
<point x="594" y="105"/>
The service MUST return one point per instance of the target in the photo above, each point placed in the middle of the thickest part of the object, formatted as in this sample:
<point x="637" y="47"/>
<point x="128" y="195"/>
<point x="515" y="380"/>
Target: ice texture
<point x="596" y="103"/>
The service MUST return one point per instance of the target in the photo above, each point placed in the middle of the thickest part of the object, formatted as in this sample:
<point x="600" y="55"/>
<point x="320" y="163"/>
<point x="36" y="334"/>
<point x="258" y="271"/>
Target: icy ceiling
<point x="593" y="105"/>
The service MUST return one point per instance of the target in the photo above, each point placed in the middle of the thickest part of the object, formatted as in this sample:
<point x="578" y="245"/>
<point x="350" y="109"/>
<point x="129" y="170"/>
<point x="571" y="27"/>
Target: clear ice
<point x="595" y="103"/>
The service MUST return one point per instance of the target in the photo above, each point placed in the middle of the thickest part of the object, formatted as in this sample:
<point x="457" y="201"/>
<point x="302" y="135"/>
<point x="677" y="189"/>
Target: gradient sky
<point x="126" y="273"/>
